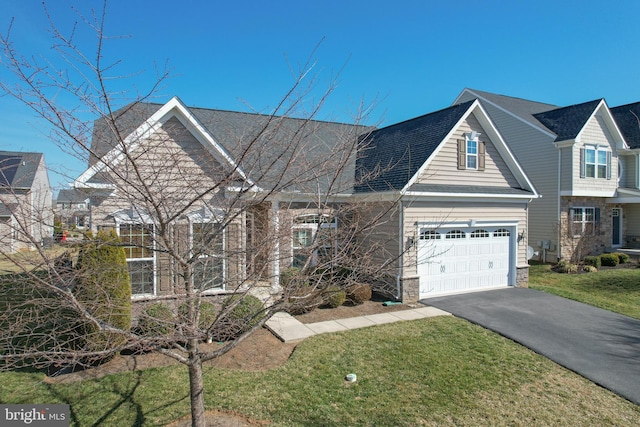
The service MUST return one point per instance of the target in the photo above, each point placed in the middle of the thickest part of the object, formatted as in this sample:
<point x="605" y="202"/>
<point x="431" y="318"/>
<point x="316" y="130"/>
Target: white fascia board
<point x="495" y="137"/>
<point x="92" y="185"/>
<point x="468" y="197"/>
<point x="587" y="193"/>
<point x="618" y="138"/>
<point x="515" y="116"/>
<point x="173" y="108"/>
<point x="433" y="155"/>
<point x="468" y="223"/>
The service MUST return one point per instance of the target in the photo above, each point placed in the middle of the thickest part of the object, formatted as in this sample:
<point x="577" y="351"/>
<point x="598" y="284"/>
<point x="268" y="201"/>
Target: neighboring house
<point x="26" y="215"/>
<point x="452" y="196"/>
<point x="72" y="208"/>
<point x="579" y="161"/>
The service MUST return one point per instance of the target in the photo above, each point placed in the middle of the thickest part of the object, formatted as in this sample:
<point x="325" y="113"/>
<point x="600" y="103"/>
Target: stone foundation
<point x="410" y="289"/>
<point x="522" y="277"/>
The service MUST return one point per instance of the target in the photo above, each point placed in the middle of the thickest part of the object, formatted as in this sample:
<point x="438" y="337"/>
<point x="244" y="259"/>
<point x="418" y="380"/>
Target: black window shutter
<point x="582" y="165"/>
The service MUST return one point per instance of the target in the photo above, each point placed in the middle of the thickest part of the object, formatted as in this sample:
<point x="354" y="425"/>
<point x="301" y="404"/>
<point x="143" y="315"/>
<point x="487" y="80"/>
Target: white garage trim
<point x="466" y="256"/>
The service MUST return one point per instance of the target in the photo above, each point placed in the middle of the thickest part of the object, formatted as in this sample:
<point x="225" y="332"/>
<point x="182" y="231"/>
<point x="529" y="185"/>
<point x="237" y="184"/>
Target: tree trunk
<point x="196" y="390"/>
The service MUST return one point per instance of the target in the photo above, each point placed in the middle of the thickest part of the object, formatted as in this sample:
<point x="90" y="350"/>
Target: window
<point x="207" y="244"/>
<point x="595" y="163"/>
<point x="501" y="232"/>
<point x="138" y="247"/>
<point x="583" y="221"/>
<point x="313" y="236"/>
<point x="429" y="235"/>
<point x="472" y="154"/>
<point x="479" y="234"/>
<point x="455" y="234"/>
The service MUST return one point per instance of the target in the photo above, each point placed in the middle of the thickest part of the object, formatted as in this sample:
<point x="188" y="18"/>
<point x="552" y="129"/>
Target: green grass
<point x="612" y="289"/>
<point x="438" y="371"/>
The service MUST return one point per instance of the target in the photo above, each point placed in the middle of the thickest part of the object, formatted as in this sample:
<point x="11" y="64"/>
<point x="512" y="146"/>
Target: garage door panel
<point x="473" y="259"/>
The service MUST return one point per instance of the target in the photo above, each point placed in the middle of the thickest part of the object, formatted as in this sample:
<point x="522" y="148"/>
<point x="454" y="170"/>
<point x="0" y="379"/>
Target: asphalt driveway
<point x="597" y="344"/>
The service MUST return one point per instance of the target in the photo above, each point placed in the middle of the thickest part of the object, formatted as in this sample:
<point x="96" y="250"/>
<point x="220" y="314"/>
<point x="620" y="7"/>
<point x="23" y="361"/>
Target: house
<point x="451" y="198"/>
<point x="72" y="208"/>
<point x="628" y="193"/>
<point x="26" y="215"/>
<point x="460" y="202"/>
<point x="579" y="160"/>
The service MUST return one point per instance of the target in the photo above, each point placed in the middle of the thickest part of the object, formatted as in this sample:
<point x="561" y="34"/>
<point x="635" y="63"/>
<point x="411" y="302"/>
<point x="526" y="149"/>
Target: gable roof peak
<point x="567" y="122"/>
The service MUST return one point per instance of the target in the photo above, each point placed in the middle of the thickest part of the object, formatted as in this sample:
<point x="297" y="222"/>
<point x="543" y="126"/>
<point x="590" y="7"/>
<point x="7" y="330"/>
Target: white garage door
<point x="454" y="260"/>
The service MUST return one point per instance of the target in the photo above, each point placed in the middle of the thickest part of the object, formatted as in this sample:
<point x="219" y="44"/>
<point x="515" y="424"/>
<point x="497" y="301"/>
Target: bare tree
<point x="203" y="224"/>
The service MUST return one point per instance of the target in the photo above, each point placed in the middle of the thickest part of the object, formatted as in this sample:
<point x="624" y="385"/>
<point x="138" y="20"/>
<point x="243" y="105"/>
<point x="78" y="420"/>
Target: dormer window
<point x="471" y="152"/>
<point x="595" y="162"/>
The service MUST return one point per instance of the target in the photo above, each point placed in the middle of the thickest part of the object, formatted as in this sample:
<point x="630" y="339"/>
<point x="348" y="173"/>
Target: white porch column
<point x="275" y="209"/>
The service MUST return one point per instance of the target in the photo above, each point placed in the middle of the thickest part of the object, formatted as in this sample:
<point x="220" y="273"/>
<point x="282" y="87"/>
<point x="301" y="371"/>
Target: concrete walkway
<point x="288" y="329"/>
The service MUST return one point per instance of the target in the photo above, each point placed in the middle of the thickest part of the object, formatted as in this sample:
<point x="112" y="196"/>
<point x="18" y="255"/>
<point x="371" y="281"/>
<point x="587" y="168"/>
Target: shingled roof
<point x="392" y="155"/>
<point x="18" y="169"/>
<point x="627" y="118"/>
<point x="260" y="143"/>
<point x="567" y="122"/>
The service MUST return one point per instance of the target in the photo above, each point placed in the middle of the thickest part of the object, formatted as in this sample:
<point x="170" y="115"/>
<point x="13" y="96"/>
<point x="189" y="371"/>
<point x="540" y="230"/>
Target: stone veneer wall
<point x="522" y="277"/>
<point x="579" y="247"/>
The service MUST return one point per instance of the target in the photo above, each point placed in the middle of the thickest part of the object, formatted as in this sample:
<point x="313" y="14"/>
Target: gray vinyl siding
<point x="595" y="132"/>
<point x="383" y="238"/>
<point x="443" y="213"/>
<point x="443" y="169"/>
<point x="632" y="226"/>
<point x="536" y="153"/>
<point x="629" y="178"/>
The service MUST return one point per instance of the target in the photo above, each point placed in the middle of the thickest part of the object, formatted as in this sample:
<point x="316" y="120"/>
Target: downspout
<point x="559" y="220"/>
<point x="400" y="252"/>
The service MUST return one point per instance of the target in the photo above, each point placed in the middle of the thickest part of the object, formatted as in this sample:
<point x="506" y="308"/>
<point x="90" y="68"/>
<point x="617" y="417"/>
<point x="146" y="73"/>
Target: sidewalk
<point x="288" y="329"/>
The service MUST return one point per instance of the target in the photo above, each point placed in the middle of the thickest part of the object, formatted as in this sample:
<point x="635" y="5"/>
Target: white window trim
<point x="596" y="149"/>
<point x="583" y="222"/>
<point x="224" y="242"/>
<point x="469" y="138"/>
<point x="153" y="259"/>
<point x="313" y="226"/>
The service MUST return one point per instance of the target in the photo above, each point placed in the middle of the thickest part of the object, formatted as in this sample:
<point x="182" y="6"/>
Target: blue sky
<point x="411" y="57"/>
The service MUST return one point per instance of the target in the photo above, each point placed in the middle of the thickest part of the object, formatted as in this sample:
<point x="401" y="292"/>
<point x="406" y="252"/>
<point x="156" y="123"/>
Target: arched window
<point x="429" y="235"/>
<point x="455" y="234"/>
<point x="479" y="234"/>
<point x="501" y="232"/>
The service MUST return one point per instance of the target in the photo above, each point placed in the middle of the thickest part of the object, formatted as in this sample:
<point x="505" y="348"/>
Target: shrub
<point x="593" y="261"/>
<point x="104" y="287"/>
<point x="358" y="293"/>
<point x="303" y="300"/>
<point x="589" y="269"/>
<point x="292" y="278"/>
<point x="334" y="296"/>
<point x="246" y="313"/>
<point x="622" y="257"/>
<point x="156" y="320"/>
<point x="207" y="313"/>
<point x="609" y="260"/>
<point x="565" y="266"/>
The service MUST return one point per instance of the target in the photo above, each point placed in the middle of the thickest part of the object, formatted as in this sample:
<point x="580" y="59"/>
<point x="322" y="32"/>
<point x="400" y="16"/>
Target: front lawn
<point x="615" y="289"/>
<point x="437" y="371"/>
